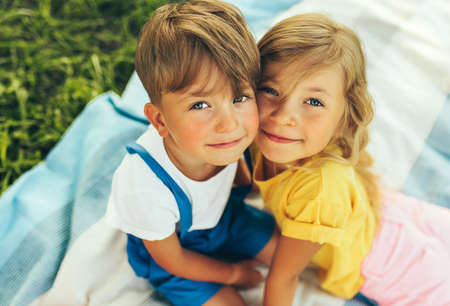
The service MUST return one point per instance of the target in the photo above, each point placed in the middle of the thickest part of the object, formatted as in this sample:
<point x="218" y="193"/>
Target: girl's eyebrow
<point x="317" y="89"/>
<point x="265" y="77"/>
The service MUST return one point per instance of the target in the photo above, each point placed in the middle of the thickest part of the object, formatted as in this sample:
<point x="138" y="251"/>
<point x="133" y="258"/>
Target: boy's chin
<point x="224" y="158"/>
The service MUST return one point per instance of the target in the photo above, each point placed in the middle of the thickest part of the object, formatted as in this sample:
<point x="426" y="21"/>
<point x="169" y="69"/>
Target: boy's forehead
<point x="208" y="81"/>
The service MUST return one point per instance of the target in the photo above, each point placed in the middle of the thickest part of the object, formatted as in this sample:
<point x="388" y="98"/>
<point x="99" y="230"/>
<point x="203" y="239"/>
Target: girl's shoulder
<point x="333" y="169"/>
<point x="338" y="178"/>
<point x="326" y="170"/>
<point x="333" y="166"/>
<point x="330" y="180"/>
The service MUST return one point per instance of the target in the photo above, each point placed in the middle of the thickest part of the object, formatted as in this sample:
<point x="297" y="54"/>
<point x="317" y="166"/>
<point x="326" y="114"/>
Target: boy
<point x="172" y="193"/>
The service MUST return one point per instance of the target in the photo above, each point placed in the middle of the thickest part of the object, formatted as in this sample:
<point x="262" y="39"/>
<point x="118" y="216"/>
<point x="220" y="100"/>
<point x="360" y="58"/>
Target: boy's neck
<point x="194" y="170"/>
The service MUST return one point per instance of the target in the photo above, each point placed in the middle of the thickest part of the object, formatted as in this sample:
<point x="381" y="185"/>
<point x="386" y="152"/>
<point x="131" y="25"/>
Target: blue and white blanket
<point x="54" y="210"/>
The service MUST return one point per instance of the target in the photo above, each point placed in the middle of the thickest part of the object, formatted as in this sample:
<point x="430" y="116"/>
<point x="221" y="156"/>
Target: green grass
<point x="55" y="56"/>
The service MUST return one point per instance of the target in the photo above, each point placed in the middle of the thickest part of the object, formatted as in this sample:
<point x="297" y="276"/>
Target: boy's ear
<point x="156" y="118"/>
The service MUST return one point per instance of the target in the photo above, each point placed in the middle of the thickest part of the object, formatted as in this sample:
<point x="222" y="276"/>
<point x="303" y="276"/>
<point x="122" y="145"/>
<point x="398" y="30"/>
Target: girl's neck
<point x="272" y="169"/>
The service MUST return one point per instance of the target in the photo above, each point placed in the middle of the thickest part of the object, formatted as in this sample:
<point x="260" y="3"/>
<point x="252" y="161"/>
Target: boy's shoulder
<point x="152" y="143"/>
<point x="133" y="170"/>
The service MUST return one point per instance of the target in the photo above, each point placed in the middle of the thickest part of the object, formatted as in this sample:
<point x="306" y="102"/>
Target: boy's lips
<point x="279" y="139"/>
<point x="226" y="145"/>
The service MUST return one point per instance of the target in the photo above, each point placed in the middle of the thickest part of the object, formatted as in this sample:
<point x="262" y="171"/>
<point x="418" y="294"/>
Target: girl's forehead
<point x="278" y="72"/>
<point x="288" y="77"/>
<point x="297" y="71"/>
<point x="285" y="70"/>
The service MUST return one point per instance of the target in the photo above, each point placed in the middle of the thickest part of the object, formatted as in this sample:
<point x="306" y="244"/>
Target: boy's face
<point x="302" y="124"/>
<point x="205" y="124"/>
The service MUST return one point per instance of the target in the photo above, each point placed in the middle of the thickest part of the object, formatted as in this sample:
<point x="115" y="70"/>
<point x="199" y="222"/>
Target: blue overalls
<point x="241" y="233"/>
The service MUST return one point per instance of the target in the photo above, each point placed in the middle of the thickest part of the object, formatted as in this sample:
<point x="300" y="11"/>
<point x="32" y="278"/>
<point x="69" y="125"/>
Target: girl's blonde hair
<point x="316" y="41"/>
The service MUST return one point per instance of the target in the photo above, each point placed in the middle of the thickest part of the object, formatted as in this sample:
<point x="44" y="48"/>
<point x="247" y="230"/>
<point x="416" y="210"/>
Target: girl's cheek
<point x="262" y="106"/>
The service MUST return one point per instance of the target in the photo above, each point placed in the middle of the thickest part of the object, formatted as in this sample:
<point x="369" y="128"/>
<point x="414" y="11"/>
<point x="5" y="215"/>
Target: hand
<point x="245" y="275"/>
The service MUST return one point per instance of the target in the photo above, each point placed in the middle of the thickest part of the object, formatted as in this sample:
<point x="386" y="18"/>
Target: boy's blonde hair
<point x="179" y="38"/>
<point x="316" y="41"/>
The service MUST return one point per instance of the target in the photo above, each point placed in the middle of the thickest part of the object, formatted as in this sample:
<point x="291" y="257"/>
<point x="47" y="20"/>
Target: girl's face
<point x="303" y="123"/>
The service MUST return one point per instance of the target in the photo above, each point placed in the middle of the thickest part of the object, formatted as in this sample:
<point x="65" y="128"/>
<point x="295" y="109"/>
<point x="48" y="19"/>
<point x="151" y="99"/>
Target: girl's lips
<point x="225" y="145"/>
<point x="279" y="139"/>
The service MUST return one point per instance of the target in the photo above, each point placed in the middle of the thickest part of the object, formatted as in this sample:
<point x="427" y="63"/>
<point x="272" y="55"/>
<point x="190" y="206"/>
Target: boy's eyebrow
<point x="199" y="93"/>
<point x="202" y="90"/>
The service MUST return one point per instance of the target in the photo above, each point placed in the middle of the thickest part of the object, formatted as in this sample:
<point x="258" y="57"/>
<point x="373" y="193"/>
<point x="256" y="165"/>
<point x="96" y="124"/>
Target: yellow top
<point x="327" y="205"/>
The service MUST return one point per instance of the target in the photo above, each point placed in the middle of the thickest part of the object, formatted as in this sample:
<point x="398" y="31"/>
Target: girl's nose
<point x="284" y="114"/>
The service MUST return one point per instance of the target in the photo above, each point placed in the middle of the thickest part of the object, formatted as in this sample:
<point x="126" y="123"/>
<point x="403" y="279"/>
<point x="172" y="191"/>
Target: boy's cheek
<point x="193" y="134"/>
<point x="250" y="124"/>
<point x="252" y="119"/>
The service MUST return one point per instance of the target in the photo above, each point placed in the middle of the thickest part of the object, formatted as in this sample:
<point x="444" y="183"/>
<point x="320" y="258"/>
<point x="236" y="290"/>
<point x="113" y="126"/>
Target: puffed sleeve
<point x="318" y="209"/>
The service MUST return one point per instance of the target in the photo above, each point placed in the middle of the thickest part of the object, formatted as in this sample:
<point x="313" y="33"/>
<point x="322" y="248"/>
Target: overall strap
<point x="184" y="205"/>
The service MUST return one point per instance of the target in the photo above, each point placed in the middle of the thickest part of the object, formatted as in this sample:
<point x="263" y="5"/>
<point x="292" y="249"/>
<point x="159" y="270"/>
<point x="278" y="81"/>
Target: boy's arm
<point x="175" y="259"/>
<point x="290" y="259"/>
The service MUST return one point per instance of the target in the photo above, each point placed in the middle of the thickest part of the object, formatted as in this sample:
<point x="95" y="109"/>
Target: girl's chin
<point x="274" y="153"/>
<point x="275" y="157"/>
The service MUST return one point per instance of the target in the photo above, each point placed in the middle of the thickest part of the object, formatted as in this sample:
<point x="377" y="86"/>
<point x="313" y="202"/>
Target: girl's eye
<point x="313" y="102"/>
<point x="269" y="91"/>
<point x="241" y="99"/>
<point x="199" y="105"/>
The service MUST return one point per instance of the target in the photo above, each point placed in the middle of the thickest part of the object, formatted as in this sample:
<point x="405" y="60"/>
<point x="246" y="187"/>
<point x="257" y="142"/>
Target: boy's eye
<point x="313" y="102"/>
<point x="199" y="105"/>
<point x="240" y="99"/>
<point x="269" y="91"/>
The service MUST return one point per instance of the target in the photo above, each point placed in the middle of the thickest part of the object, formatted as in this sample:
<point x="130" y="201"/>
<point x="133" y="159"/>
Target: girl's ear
<point x="156" y="118"/>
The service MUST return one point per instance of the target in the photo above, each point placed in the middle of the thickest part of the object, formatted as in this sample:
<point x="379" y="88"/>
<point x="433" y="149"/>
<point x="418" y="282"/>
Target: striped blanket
<point x="55" y="248"/>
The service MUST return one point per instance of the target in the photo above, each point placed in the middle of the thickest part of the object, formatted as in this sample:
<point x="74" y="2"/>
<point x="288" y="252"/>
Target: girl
<point x="313" y="172"/>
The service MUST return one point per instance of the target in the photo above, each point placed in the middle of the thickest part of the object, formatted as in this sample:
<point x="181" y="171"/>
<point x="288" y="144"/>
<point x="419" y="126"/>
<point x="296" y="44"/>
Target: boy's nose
<point x="226" y="122"/>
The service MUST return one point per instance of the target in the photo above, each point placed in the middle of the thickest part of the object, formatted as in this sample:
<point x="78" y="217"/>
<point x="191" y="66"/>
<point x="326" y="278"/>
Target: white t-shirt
<point x="140" y="204"/>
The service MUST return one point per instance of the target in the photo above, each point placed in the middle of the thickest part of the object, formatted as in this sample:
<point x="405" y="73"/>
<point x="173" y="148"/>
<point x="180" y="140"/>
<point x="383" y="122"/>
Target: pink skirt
<point x="409" y="263"/>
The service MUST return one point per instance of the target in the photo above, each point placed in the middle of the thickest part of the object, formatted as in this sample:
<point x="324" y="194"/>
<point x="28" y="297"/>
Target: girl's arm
<point x="290" y="259"/>
<point x="175" y="259"/>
